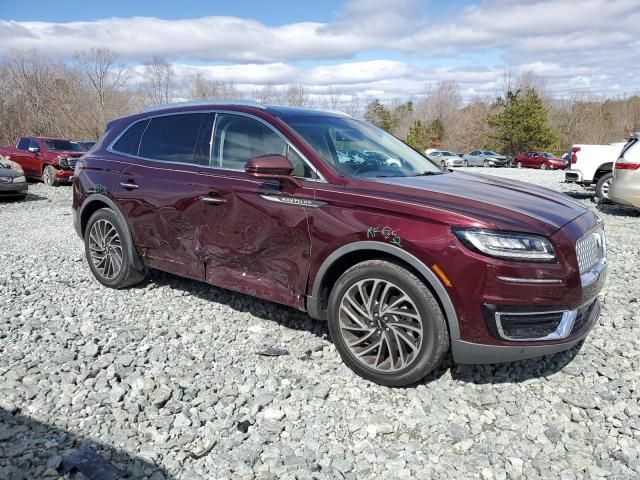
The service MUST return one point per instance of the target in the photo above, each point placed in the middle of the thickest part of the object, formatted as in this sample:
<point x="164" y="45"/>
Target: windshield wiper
<point x="427" y="174"/>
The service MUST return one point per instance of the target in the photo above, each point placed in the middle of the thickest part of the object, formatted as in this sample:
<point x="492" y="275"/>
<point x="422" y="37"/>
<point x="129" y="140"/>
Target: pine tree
<point x="379" y="115"/>
<point x="520" y="123"/>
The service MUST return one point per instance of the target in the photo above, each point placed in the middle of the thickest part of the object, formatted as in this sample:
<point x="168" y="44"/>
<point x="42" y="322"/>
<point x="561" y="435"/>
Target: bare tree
<point x="201" y="88"/>
<point x="297" y="95"/>
<point x="158" y="84"/>
<point x="106" y="79"/>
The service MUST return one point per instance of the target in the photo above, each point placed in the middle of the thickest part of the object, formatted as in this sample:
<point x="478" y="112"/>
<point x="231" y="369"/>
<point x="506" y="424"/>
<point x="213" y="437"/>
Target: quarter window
<point x="172" y="138"/>
<point x="23" y="144"/>
<point x="238" y="139"/>
<point x="129" y="142"/>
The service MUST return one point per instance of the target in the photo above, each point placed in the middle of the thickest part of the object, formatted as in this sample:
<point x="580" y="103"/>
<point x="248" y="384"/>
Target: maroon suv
<point x="405" y="261"/>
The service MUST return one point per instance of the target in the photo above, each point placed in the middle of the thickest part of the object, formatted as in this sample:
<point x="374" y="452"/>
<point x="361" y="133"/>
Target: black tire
<point x="602" y="187"/>
<point x="465" y="163"/>
<point x="544" y="166"/>
<point x="49" y="176"/>
<point x="127" y="274"/>
<point x="434" y="342"/>
<point x="486" y="164"/>
<point x="519" y="165"/>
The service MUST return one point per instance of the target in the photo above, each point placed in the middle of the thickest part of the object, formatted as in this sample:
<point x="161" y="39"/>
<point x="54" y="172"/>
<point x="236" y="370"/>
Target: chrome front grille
<point x="72" y="162"/>
<point x="591" y="249"/>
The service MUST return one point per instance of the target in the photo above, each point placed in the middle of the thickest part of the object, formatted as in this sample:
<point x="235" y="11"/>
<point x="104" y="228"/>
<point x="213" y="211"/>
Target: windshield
<point x="358" y="149"/>
<point x="449" y="154"/>
<point x="490" y="153"/>
<point x="63" y="146"/>
<point x="548" y="155"/>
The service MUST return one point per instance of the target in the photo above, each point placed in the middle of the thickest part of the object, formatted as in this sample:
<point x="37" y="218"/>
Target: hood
<point x="497" y="157"/>
<point x="505" y="204"/>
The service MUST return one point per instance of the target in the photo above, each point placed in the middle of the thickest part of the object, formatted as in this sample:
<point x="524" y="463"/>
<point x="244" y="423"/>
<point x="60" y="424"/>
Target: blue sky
<point x="384" y="48"/>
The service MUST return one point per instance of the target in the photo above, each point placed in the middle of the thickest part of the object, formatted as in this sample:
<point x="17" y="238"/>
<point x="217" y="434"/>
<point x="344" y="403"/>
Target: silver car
<point x="625" y="188"/>
<point x="444" y="158"/>
<point x="485" y="158"/>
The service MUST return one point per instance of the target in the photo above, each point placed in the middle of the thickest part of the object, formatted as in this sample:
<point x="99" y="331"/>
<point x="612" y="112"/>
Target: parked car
<point x="51" y="160"/>
<point x="12" y="180"/>
<point x="625" y="188"/>
<point x="404" y="262"/>
<point x="86" y="144"/>
<point x="485" y="158"/>
<point x="541" y="160"/>
<point x="592" y="165"/>
<point x="444" y="158"/>
<point x="381" y="157"/>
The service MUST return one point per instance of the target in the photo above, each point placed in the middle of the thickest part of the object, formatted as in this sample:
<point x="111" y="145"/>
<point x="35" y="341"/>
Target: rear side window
<point x="172" y="138"/>
<point x="129" y="142"/>
<point x="23" y="144"/>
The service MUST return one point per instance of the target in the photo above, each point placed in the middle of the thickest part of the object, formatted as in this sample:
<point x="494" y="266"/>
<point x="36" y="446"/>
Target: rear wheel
<point x="49" y="176"/>
<point x="603" y="185"/>
<point x="519" y="165"/>
<point x="386" y="324"/>
<point x="465" y="163"/>
<point x="107" y="246"/>
<point x="544" y="166"/>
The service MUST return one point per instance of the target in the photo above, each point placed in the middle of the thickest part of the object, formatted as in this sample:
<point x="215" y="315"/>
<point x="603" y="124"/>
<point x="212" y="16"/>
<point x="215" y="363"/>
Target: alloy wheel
<point x="380" y="325"/>
<point x="544" y="166"/>
<point x="519" y="165"/>
<point x="606" y="186"/>
<point x="105" y="249"/>
<point x="48" y="179"/>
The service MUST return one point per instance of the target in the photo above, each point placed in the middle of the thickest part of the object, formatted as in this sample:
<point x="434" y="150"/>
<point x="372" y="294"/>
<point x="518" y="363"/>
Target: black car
<point x="12" y="183"/>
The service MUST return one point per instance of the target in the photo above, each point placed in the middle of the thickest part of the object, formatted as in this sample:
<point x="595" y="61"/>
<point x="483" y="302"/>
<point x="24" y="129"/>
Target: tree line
<point x="75" y="99"/>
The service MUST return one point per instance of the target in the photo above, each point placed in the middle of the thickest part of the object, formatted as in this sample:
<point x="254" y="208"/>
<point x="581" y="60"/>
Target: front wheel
<point x="465" y="163"/>
<point x="544" y="166"/>
<point x="107" y="247"/>
<point x="603" y="185"/>
<point x="386" y="324"/>
<point x="486" y="164"/>
<point x="519" y="165"/>
<point x="49" y="176"/>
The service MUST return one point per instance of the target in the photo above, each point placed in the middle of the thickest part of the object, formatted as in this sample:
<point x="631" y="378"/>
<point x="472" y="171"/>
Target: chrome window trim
<point x="110" y="149"/>
<point x="562" y="331"/>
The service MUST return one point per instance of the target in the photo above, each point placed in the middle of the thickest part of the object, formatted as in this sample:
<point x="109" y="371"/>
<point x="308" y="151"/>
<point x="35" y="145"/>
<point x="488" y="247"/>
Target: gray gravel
<point x="176" y="379"/>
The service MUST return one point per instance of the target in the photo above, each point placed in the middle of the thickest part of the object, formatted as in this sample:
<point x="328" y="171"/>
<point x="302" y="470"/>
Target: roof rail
<point x="241" y="102"/>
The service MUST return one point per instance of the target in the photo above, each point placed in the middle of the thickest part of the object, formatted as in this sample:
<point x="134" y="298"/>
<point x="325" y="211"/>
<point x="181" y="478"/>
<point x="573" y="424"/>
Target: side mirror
<point x="34" y="149"/>
<point x="272" y="167"/>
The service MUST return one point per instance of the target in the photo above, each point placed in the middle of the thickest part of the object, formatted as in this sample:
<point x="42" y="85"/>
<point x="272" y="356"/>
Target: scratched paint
<point x="386" y="233"/>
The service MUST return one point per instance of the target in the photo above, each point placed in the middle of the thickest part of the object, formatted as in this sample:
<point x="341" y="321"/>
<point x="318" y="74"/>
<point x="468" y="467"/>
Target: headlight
<point x="507" y="245"/>
<point x="62" y="161"/>
<point x="21" y="179"/>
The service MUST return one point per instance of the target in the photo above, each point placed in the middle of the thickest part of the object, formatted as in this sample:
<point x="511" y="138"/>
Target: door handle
<point x="129" y="185"/>
<point x="213" y="200"/>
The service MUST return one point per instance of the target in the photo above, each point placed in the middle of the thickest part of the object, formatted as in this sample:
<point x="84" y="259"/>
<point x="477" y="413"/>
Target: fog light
<point x="523" y="326"/>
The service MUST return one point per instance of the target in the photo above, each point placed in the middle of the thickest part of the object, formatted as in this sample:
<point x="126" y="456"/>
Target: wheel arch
<point x="602" y="170"/>
<point x="348" y="255"/>
<point x="98" y="201"/>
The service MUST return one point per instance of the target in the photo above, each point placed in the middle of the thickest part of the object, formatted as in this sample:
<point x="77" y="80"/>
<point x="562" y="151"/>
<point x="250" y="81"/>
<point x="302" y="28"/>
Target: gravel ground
<point x="171" y="379"/>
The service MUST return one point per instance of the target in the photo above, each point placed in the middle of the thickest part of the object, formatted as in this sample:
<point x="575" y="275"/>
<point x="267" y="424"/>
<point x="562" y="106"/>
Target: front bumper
<point x="13" y="188"/>
<point x="64" y="175"/>
<point x="475" y="353"/>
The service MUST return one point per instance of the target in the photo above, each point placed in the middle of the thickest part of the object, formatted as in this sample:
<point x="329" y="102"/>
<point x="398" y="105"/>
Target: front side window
<point x="238" y="139"/>
<point x="172" y="138"/>
<point x="358" y="149"/>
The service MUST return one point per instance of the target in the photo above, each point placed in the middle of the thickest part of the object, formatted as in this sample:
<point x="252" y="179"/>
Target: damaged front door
<point x="253" y="239"/>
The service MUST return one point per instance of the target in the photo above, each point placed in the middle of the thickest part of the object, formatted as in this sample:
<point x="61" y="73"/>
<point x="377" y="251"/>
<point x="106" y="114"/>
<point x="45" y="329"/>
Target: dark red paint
<point x="537" y="160"/>
<point x="243" y="242"/>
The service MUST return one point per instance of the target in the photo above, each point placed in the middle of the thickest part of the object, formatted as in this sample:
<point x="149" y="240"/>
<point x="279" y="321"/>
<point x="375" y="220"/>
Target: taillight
<point x="622" y="164"/>
<point x="574" y="154"/>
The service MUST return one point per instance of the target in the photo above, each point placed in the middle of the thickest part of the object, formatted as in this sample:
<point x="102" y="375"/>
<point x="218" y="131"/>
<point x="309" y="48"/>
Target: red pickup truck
<point x="51" y="160"/>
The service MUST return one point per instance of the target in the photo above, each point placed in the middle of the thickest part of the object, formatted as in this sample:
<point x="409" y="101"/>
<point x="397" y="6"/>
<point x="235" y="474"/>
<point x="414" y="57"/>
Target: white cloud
<point x="592" y="46"/>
